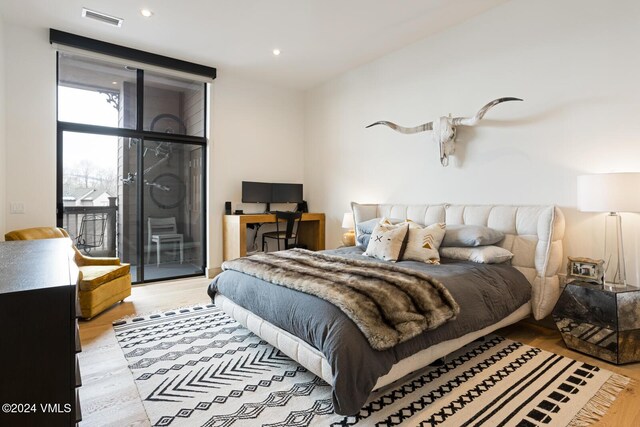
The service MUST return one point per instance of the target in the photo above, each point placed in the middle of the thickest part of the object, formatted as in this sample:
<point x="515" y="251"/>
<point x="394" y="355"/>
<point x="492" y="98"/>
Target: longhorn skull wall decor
<point x="444" y="129"/>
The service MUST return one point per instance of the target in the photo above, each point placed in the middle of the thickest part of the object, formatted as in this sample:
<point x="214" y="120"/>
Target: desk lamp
<point x="613" y="193"/>
<point x="348" y="238"/>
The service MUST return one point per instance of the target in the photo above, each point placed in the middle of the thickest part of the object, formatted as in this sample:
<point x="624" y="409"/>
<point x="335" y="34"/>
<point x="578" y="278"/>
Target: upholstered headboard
<point x="532" y="233"/>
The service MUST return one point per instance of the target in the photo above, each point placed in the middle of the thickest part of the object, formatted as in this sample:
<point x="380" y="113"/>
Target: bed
<point x="324" y="340"/>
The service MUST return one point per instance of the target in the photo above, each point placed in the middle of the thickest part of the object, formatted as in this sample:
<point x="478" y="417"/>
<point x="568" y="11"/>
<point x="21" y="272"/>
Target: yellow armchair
<point x="102" y="281"/>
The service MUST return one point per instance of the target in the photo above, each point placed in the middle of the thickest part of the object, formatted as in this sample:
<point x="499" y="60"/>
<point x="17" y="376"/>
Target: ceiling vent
<point x="102" y="17"/>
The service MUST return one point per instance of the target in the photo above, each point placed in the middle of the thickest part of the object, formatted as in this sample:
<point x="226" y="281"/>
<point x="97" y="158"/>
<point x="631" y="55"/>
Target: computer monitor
<point x="256" y="192"/>
<point x="286" y="193"/>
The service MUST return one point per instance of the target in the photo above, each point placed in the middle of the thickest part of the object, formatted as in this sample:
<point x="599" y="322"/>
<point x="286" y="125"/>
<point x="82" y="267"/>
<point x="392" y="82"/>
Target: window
<point x="131" y="164"/>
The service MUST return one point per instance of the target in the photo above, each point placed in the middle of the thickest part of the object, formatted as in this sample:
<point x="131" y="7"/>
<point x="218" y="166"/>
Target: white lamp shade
<point x="347" y="221"/>
<point x="609" y="192"/>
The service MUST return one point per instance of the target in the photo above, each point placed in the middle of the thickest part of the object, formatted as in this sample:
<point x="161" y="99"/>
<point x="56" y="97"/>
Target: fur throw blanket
<point x="389" y="304"/>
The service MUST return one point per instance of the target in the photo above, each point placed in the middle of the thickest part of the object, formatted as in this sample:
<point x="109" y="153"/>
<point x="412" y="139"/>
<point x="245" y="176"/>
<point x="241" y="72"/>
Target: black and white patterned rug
<point x="199" y="367"/>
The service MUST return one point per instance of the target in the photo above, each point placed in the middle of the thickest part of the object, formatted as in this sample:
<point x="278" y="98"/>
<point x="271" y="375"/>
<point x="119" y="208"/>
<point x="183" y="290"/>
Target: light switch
<point x="16" y="207"/>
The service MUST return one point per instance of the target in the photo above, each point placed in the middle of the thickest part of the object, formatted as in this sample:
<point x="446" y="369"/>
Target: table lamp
<point x="348" y="238"/>
<point x="613" y="193"/>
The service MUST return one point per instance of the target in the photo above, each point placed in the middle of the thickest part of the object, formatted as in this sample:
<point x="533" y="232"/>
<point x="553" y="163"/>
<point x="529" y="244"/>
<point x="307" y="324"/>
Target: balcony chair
<point x="92" y="229"/>
<point x="289" y="233"/>
<point x="162" y="231"/>
<point x="101" y="282"/>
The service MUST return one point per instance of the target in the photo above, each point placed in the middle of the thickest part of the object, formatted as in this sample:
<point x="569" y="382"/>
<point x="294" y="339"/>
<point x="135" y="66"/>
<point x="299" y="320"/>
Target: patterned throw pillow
<point x="481" y="254"/>
<point x="423" y="243"/>
<point x="386" y="242"/>
<point x="364" y="230"/>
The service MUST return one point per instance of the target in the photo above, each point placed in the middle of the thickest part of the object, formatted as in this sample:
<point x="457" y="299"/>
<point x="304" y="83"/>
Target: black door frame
<point x="141" y="135"/>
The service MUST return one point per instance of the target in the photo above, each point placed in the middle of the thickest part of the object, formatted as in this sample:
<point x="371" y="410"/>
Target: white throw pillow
<point x="386" y="242"/>
<point x="423" y="243"/>
<point x="482" y="254"/>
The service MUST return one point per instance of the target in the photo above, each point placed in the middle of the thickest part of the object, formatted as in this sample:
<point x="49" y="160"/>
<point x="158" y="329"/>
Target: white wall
<point x="2" y="134"/>
<point x="574" y="62"/>
<point x="256" y="134"/>
<point x="30" y="176"/>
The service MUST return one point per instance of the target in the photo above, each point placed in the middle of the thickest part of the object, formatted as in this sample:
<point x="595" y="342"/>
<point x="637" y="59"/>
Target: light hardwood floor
<point x="109" y="396"/>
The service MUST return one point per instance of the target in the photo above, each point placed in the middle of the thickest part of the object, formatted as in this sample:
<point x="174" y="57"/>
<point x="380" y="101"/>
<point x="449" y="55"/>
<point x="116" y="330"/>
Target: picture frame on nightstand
<point x="585" y="269"/>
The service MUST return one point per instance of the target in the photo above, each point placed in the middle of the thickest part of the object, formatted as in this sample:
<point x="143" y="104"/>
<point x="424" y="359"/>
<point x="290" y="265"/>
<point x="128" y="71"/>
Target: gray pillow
<point x="363" y="241"/>
<point x="471" y="235"/>
<point x="367" y="227"/>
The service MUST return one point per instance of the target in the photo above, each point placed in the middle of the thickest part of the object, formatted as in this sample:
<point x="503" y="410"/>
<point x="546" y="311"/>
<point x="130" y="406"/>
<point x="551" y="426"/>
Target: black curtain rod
<point x="98" y="46"/>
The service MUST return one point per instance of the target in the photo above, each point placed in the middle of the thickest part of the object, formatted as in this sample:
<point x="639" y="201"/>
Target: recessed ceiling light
<point x="146" y="13"/>
<point x="114" y="83"/>
<point x="276" y="52"/>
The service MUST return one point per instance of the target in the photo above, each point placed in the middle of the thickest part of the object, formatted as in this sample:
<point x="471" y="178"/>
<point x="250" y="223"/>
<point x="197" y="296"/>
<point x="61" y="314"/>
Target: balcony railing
<point x="72" y="222"/>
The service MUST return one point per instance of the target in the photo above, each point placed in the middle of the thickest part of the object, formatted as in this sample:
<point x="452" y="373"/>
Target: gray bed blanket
<point x="389" y="304"/>
<point x="485" y="294"/>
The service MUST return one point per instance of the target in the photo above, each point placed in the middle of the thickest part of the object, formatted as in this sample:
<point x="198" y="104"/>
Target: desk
<point x="234" y="232"/>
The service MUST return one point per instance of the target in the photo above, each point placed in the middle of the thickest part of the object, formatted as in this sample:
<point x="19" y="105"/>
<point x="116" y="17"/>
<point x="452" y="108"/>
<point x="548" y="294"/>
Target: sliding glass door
<point x="131" y="173"/>
<point x="172" y="205"/>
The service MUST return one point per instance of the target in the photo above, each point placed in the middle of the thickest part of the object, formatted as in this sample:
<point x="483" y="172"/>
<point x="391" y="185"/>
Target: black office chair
<point x="292" y="221"/>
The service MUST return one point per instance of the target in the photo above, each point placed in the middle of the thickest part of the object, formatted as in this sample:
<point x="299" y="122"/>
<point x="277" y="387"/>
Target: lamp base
<point x="349" y="238"/>
<point x="615" y="286"/>
<point x="615" y="271"/>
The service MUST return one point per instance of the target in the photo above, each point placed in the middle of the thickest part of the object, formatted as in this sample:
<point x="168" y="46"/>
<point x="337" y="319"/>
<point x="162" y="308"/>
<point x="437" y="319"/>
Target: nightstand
<point x="600" y="321"/>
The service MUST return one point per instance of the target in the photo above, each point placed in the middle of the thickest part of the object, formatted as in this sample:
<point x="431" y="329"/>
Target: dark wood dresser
<point x="40" y="372"/>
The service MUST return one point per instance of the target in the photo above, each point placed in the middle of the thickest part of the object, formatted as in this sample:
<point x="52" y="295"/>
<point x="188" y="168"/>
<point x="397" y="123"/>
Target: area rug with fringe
<point x="199" y="367"/>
